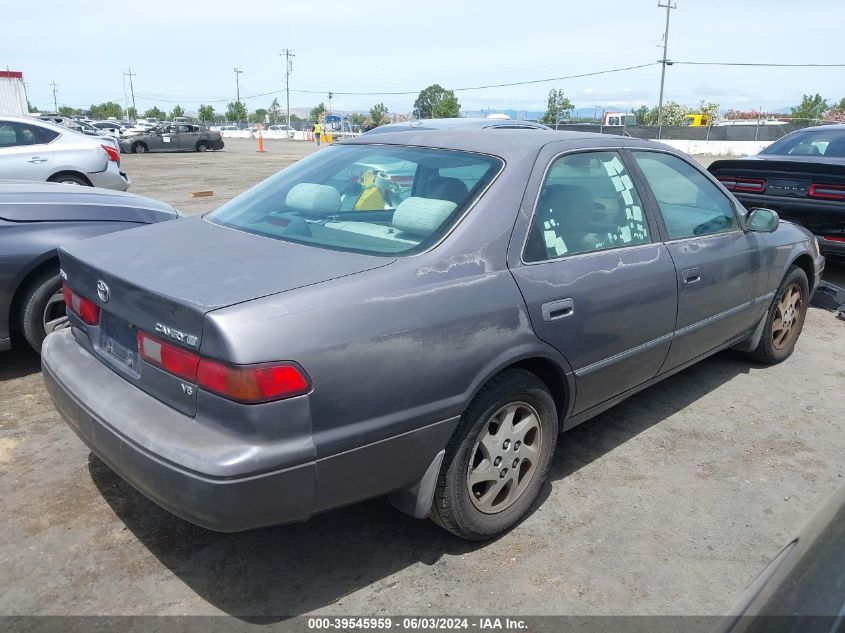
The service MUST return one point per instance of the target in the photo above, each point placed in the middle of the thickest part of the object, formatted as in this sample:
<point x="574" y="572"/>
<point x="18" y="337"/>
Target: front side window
<point x="587" y="203"/>
<point x="372" y="199"/>
<point x="691" y="205"/>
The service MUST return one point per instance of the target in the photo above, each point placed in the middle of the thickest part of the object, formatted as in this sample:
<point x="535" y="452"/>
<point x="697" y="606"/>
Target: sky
<point x="187" y="54"/>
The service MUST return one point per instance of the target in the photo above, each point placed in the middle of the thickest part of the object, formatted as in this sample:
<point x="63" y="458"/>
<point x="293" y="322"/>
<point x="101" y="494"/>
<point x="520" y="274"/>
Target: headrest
<point x="312" y="199"/>
<point x="422" y="216"/>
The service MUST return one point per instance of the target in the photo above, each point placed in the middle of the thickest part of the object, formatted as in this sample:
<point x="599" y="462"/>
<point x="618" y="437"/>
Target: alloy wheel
<point x="788" y="312"/>
<point x="55" y="313"/>
<point x="505" y="458"/>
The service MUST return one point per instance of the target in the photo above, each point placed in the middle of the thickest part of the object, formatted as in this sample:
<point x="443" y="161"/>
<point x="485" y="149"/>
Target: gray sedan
<point x="172" y="138"/>
<point x="416" y="314"/>
<point x="35" y="219"/>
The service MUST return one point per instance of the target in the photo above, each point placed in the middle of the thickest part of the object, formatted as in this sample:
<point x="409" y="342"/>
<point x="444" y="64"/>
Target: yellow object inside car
<point x="372" y="198"/>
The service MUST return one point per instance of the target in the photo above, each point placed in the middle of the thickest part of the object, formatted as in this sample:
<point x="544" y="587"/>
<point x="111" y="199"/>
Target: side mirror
<point x="761" y="220"/>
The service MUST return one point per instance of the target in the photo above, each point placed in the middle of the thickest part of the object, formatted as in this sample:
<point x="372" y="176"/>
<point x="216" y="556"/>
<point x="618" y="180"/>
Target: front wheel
<point x="498" y="458"/>
<point x="785" y="318"/>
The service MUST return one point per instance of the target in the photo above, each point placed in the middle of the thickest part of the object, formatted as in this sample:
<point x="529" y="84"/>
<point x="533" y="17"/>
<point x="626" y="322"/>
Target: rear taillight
<point x="248" y="384"/>
<point x="170" y="358"/>
<point x="84" y="308"/>
<point x="834" y="238"/>
<point x="244" y="383"/>
<point x="827" y="192"/>
<point x="112" y="152"/>
<point x="745" y="185"/>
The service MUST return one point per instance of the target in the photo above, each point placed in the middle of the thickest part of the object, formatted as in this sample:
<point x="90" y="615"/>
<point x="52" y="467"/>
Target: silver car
<point x="32" y="149"/>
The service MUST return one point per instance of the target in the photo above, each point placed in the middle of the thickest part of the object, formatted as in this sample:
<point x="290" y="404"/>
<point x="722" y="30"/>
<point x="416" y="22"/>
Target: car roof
<point x="507" y="144"/>
<point x="17" y="191"/>
<point x="469" y="123"/>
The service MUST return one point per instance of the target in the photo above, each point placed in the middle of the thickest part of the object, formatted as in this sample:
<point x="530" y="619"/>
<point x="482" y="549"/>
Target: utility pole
<point x="55" y="103"/>
<point x="330" y="102"/>
<point x="288" y="68"/>
<point x="130" y="74"/>
<point x="238" y="91"/>
<point x="664" y="62"/>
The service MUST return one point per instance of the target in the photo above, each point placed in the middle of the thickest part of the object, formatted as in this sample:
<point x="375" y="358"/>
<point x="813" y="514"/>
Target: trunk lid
<point x="784" y="177"/>
<point x="164" y="278"/>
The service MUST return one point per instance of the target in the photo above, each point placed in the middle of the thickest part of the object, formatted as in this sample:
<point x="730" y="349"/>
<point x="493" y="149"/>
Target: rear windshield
<point x="811" y="143"/>
<point x="372" y="199"/>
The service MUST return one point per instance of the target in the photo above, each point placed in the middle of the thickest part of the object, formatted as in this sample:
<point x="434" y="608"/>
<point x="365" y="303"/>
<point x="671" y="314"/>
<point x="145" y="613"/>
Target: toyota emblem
<point x="103" y="291"/>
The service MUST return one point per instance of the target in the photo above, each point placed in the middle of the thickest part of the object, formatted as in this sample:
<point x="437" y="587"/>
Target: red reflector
<point x="833" y="238"/>
<point x="828" y="192"/>
<point x="84" y="308"/>
<point x="112" y="152"/>
<point x="170" y="358"/>
<point x="252" y="384"/>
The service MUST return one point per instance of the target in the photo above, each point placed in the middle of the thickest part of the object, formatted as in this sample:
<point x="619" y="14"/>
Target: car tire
<point x="201" y="147"/>
<point x="785" y="318"/>
<point x="42" y="308"/>
<point x="139" y="148"/>
<point x="70" y="179"/>
<point x="465" y="502"/>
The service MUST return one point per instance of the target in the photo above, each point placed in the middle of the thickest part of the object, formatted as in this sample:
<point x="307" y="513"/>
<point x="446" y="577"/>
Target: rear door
<point x="24" y="151"/>
<point x="722" y="272"/>
<point x="188" y="137"/>
<point x="599" y="284"/>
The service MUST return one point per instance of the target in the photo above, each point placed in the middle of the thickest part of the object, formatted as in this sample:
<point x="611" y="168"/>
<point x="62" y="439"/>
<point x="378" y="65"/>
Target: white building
<point x="12" y="93"/>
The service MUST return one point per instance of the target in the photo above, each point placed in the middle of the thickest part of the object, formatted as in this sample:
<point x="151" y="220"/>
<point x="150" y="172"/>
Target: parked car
<point x="113" y="128"/>
<point x="32" y="149"/>
<point x="282" y="129"/>
<point x="173" y="138"/>
<point x="803" y="588"/>
<point x="802" y="177"/>
<point x="291" y="352"/>
<point x="35" y="219"/>
<point x="467" y="123"/>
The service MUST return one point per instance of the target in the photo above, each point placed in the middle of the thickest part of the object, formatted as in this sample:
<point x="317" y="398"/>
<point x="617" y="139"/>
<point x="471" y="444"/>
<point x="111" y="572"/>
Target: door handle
<point x="557" y="309"/>
<point x="37" y="159"/>
<point x="691" y="276"/>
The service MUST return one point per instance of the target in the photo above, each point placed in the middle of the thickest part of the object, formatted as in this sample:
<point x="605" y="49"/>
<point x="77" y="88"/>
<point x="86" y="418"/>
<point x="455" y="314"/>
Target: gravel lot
<point x="670" y="503"/>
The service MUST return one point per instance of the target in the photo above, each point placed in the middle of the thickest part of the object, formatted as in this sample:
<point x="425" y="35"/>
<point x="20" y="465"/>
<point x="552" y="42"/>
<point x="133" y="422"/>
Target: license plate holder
<point x="118" y="342"/>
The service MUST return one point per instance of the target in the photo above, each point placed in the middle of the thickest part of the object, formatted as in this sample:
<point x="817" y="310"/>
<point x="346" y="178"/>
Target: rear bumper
<point x="228" y="504"/>
<point x="217" y="145"/>
<point x="131" y="432"/>
<point x="111" y="178"/>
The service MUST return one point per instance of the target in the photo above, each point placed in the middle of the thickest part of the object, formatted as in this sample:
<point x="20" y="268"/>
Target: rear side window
<point x="14" y="134"/>
<point x="364" y="198"/>
<point x="587" y="203"/>
<point x="691" y="205"/>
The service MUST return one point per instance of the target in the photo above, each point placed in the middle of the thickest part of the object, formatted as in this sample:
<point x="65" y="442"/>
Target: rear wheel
<point x="43" y="308"/>
<point x="139" y="148"/>
<point x="785" y="318"/>
<point x="498" y="458"/>
<point x="201" y="147"/>
<point x="71" y="179"/>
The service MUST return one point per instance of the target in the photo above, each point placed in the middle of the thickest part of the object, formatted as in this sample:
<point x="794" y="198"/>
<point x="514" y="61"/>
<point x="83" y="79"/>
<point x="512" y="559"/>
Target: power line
<point x="414" y="92"/>
<point x="771" y="65"/>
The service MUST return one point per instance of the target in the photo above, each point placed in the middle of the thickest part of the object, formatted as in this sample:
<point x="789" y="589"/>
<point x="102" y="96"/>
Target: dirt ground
<point x="669" y="503"/>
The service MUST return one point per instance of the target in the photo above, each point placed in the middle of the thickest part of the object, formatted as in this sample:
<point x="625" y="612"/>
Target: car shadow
<point x="274" y="573"/>
<point x="19" y="362"/>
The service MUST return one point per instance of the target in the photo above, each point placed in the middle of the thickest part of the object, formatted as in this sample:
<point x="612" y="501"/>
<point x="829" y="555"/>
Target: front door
<point x="599" y="284"/>
<point x="721" y="274"/>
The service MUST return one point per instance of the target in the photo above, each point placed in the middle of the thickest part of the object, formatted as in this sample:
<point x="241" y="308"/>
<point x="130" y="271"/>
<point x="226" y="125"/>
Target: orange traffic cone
<point x="260" y="142"/>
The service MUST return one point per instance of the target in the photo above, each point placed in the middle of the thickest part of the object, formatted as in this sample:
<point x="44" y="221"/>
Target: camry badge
<point x="103" y="291"/>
